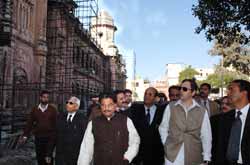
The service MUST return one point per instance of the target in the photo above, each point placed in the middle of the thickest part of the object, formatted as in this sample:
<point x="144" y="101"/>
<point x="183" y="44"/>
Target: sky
<point x="160" y="32"/>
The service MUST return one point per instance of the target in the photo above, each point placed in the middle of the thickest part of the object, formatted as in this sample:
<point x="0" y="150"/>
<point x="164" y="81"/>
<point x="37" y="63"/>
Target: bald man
<point x="147" y="117"/>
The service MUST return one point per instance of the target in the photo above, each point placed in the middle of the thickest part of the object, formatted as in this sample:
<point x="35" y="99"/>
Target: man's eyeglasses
<point x="69" y="102"/>
<point x="185" y="89"/>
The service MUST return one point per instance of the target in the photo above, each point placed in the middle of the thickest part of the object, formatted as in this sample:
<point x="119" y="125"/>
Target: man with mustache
<point x="211" y="106"/>
<point x="110" y="139"/>
<point x="174" y="93"/>
<point x="120" y="101"/>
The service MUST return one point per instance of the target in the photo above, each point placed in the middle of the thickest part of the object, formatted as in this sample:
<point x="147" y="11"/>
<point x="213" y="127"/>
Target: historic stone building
<point x="103" y="29"/>
<point x="75" y="65"/>
<point x="23" y="48"/>
<point x="43" y="45"/>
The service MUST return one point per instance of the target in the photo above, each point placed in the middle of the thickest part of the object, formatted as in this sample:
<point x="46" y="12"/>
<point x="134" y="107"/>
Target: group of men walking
<point x="190" y="129"/>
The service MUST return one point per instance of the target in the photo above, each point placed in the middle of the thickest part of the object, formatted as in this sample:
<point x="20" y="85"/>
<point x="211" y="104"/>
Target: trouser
<point x="41" y="145"/>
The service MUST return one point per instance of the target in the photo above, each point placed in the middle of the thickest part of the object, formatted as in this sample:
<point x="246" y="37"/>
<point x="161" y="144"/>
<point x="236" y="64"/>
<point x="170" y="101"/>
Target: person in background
<point x="161" y="100"/>
<point x="226" y="104"/>
<point x="211" y="106"/>
<point x="174" y="93"/>
<point x="94" y="109"/>
<point x="128" y="98"/>
<point x="120" y="101"/>
<point x="42" y="122"/>
<point x="110" y="139"/>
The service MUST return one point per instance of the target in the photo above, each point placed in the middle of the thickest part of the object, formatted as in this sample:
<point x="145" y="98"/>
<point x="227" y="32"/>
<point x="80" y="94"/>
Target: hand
<point x="48" y="159"/>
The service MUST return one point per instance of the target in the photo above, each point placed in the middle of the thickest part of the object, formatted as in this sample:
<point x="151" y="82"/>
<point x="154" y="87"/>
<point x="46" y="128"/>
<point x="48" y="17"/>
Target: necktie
<point x="234" y="139"/>
<point x="205" y="104"/>
<point x="148" y="116"/>
<point x="69" y="119"/>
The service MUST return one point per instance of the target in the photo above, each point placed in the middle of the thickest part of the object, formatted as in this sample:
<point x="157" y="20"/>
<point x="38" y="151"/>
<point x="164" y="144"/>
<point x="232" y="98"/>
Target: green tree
<point x="224" y="20"/>
<point x="187" y="73"/>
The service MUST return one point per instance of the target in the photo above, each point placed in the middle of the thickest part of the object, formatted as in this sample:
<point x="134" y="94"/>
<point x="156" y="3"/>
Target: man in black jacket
<point x="147" y="118"/>
<point x="233" y="136"/>
<point x="70" y="131"/>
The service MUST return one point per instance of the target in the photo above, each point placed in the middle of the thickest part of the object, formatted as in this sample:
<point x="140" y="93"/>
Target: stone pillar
<point x="40" y="37"/>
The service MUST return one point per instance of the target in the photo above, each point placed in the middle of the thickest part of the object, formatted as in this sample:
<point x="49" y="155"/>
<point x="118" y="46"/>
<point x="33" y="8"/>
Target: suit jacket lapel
<point x="155" y="116"/>
<point x="247" y="126"/>
<point x="75" y="117"/>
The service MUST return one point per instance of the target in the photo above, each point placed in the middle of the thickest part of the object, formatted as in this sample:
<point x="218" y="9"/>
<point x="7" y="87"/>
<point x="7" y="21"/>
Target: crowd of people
<point x="185" y="128"/>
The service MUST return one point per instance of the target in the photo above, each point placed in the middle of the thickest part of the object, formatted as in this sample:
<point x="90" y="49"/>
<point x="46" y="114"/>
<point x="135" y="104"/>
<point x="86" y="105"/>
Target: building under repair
<point x="47" y="44"/>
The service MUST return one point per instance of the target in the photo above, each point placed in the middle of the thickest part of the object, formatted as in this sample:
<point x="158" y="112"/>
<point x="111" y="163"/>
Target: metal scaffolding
<point x="74" y="64"/>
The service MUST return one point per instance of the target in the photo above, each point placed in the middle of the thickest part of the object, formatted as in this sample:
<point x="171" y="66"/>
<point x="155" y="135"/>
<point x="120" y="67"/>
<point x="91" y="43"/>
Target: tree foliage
<point x="224" y="20"/>
<point x="187" y="73"/>
<point x="227" y="22"/>
<point x="235" y="55"/>
<point x="223" y="76"/>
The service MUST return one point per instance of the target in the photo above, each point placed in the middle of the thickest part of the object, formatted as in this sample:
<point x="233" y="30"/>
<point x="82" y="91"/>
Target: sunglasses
<point x="69" y="102"/>
<point x="185" y="89"/>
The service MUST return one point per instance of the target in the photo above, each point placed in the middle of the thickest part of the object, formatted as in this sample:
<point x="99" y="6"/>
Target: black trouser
<point x="41" y="150"/>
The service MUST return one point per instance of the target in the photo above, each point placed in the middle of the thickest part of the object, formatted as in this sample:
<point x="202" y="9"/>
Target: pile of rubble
<point x="24" y="155"/>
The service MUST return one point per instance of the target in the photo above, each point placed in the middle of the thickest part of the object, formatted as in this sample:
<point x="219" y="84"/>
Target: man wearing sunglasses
<point x="71" y="126"/>
<point x="185" y="129"/>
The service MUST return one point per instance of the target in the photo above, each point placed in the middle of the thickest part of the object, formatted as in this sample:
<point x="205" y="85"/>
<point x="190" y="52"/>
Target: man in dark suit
<point x="233" y="137"/>
<point x="147" y="118"/>
<point x="70" y="131"/>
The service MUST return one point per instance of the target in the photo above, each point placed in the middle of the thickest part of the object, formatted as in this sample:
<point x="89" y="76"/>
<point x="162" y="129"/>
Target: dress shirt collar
<point x="109" y="118"/>
<point x="118" y="109"/>
<point x="129" y="105"/>
<point x="43" y="109"/>
<point x="194" y="104"/>
<point x="153" y="107"/>
<point x="243" y="110"/>
<point x="72" y="115"/>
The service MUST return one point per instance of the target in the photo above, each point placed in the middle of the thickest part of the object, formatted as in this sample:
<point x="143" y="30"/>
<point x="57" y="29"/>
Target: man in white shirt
<point x="110" y="138"/>
<point x="185" y="129"/>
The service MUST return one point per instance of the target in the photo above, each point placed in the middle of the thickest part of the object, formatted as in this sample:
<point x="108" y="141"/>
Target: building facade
<point x="43" y="45"/>
<point x="103" y="30"/>
<point x="75" y="65"/>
